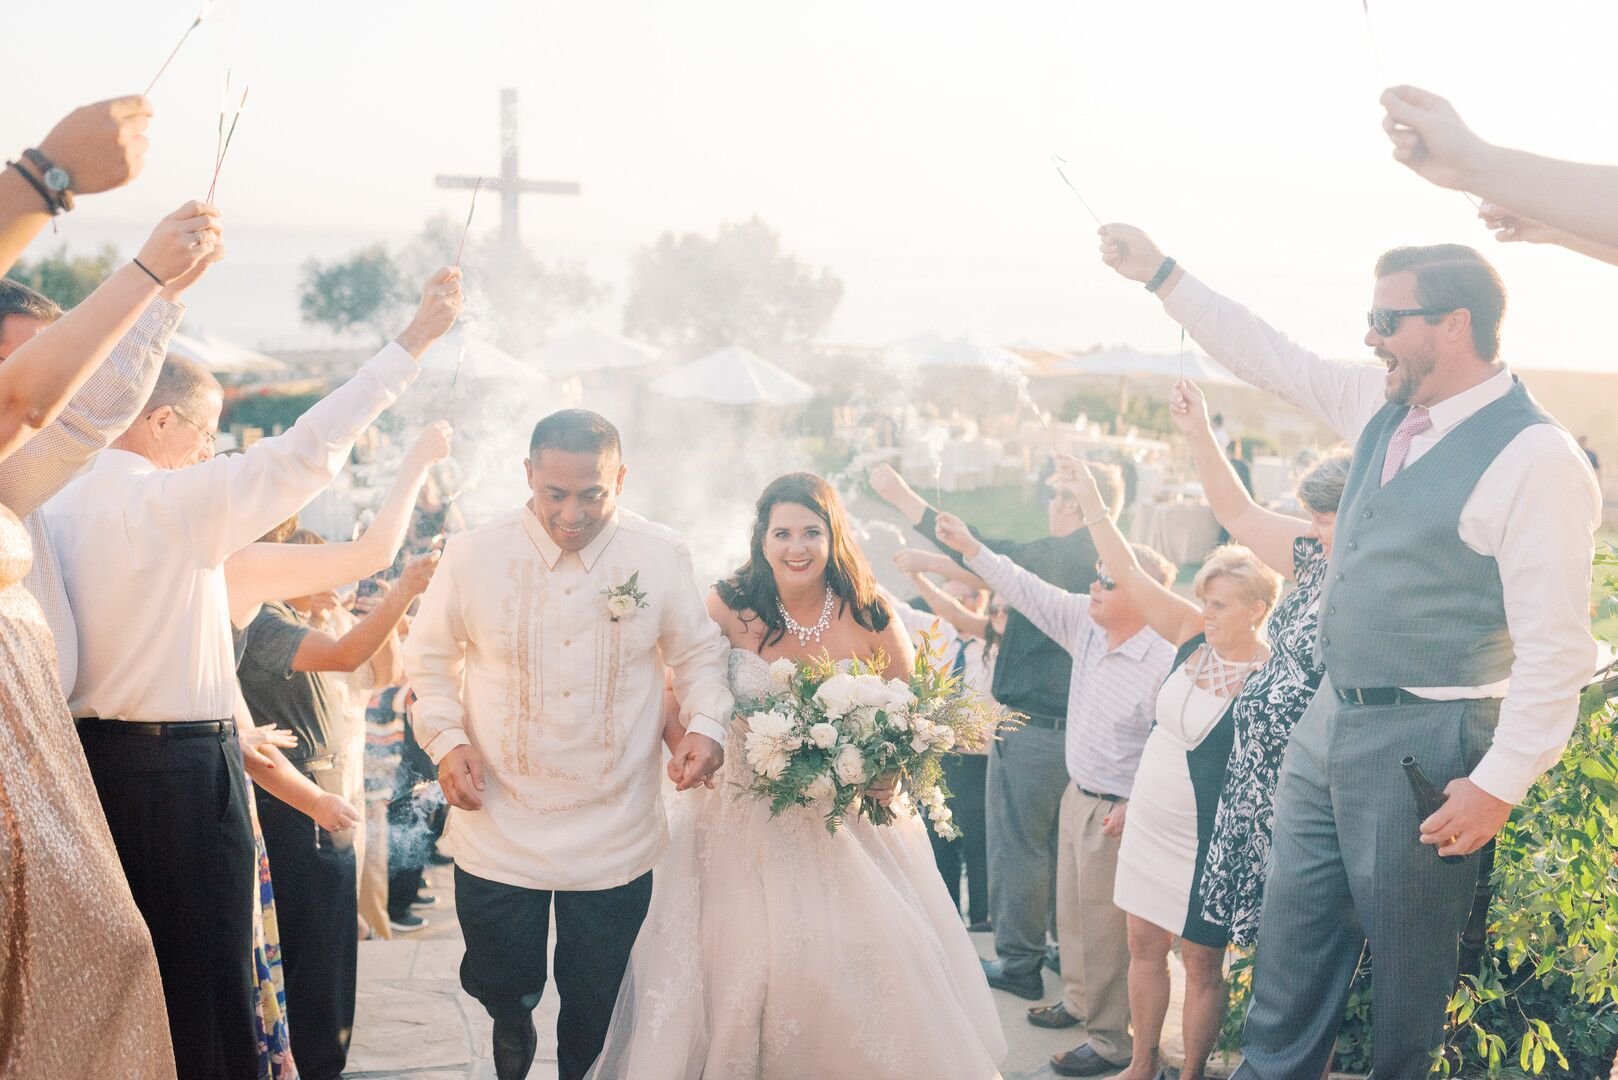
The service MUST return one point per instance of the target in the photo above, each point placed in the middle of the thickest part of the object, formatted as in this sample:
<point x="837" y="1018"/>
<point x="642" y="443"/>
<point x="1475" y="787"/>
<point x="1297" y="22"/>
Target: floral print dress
<point x="1270" y="705"/>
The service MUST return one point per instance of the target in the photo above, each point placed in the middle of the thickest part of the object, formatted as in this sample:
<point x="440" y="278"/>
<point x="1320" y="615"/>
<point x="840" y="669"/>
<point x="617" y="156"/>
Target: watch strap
<point x="64" y="195"/>
<point x="50" y="203"/>
<point x="1161" y="276"/>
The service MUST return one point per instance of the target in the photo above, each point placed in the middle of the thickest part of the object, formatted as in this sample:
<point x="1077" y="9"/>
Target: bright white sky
<point x="903" y="143"/>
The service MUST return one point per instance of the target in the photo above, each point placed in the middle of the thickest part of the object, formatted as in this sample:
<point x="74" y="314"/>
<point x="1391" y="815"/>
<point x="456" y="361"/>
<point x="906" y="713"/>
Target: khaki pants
<point x="1092" y="929"/>
<point x="373" y="876"/>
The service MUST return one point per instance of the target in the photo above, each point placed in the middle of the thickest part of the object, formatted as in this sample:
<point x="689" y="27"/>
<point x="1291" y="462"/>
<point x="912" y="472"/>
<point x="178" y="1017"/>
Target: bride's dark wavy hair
<point x="752" y="586"/>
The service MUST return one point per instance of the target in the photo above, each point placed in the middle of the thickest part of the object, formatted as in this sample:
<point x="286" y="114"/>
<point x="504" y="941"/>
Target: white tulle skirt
<point x="776" y="950"/>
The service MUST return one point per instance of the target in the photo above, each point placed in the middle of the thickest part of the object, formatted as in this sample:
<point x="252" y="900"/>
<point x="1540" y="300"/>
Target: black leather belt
<point x="175" y="729"/>
<point x="1381" y="695"/>
<point x="1050" y="723"/>
<point x="1098" y="795"/>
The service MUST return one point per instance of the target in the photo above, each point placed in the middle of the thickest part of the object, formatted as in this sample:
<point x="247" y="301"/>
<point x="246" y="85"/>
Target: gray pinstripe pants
<point x="1348" y="866"/>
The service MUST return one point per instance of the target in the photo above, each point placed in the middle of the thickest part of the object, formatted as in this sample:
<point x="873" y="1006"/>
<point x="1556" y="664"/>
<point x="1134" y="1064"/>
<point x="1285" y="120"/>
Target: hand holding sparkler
<point x="1188" y="409"/>
<point x="953" y="534"/>
<point x="183" y="241"/>
<point x="1131" y="252"/>
<point x="1073" y="476"/>
<point x="101" y="146"/>
<point x="441" y="305"/>
<point x="1430" y="139"/>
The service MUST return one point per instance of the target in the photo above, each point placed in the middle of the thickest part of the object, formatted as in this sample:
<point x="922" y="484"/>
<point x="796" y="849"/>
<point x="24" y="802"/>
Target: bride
<point x="774" y="949"/>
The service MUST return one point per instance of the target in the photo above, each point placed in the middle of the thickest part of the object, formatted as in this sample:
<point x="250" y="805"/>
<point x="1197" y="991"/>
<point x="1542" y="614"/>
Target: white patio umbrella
<point x="222" y="357"/>
<point x="934" y="351"/>
<point x="484" y="361"/>
<point x="1125" y="361"/>
<point x="733" y="376"/>
<point x="587" y="348"/>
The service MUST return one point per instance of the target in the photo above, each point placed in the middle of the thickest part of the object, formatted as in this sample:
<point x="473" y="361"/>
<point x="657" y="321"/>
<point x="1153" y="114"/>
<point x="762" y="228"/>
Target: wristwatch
<point x="58" y="181"/>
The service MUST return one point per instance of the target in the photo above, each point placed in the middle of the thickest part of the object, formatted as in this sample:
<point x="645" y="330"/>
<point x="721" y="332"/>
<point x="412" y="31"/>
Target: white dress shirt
<point x="514" y="653"/>
<point x="142" y="552"/>
<point x="102" y="410"/>
<point x="1534" y="511"/>
<point x="1112" y="695"/>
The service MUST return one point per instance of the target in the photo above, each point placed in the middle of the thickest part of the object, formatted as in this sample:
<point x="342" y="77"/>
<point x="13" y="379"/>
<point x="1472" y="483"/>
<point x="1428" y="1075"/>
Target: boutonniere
<point x="624" y="600"/>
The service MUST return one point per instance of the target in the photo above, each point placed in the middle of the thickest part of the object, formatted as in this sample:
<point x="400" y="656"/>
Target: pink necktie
<point x="1415" y="422"/>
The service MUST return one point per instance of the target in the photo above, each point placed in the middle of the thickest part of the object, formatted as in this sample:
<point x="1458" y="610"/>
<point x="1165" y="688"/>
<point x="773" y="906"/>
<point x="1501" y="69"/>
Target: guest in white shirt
<point x="1454" y="629"/>
<point x="1119" y="664"/>
<point x="538" y="663"/>
<point x="141" y="540"/>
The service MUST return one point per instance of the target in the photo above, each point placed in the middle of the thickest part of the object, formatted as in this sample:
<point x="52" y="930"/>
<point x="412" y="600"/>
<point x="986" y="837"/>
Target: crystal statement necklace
<point x="806" y="634"/>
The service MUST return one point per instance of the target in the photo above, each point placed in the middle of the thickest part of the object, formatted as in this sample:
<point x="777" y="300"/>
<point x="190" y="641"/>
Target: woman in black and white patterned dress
<point x="1274" y="697"/>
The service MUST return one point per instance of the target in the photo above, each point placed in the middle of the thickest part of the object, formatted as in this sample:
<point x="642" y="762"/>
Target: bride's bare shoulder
<point x="744" y="628"/>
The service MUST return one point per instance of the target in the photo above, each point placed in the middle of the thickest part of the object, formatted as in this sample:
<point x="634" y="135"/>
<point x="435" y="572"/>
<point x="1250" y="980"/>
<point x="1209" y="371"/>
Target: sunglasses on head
<point x="1384" y="321"/>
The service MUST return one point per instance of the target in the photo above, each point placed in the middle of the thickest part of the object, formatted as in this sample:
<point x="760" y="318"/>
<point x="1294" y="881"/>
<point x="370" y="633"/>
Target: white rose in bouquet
<point x="900" y="698"/>
<point x="781" y="673"/>
<point x="822" y="788"/>
<point x="850" y="766"/>
<point x="870" y="692"/>
<point x="864" y="719"/>
<point x="836" y="695"/>
<point x="823" y="735"/>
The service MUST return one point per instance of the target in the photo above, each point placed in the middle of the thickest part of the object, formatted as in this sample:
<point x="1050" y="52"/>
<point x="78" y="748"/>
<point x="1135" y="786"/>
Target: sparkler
<point x="207" y="6"/>
<point x="459" y="360"/>
<point x="470" y="210"/>
<point x="1061" y="171"/>
<point x="219" y="162"/>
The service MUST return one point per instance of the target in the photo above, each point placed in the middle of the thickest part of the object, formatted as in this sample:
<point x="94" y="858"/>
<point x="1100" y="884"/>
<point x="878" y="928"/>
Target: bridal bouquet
<point x="826" y="733"/>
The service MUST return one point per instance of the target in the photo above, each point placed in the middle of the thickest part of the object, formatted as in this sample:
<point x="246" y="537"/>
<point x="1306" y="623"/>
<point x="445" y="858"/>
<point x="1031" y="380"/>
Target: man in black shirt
<point x="317" y="906"/>
<point x="1027" y="767"/>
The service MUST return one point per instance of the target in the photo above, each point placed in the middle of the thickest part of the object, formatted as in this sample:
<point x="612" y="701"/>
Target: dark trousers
<point x="966" y="775"/>
<point x="317" y="908"/>
<point x="1027" y="778"/>
<point x="506" y="929"/>
<point x="177" y="809"/>
<point x="403" y="885"/>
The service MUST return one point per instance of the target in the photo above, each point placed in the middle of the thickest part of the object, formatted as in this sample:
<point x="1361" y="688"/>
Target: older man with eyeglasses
<point x="1454" y="628"/>
<point x="141" y="540"/>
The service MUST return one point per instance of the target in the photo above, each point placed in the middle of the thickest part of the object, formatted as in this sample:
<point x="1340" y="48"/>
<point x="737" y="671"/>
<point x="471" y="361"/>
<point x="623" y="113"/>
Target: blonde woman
<point x="1170" y="814"/>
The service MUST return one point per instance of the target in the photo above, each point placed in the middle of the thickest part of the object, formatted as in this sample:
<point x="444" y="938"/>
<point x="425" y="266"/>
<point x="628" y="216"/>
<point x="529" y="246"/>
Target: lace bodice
<point x="749" y="677"/>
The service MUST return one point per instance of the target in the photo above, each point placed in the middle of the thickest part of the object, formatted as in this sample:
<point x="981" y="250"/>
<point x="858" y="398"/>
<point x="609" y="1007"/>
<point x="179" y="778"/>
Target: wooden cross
<point x="510" y="183"/>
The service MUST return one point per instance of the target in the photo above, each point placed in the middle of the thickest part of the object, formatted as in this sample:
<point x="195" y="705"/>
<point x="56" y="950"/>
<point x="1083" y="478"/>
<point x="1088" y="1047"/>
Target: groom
<point x="538" y="664"/>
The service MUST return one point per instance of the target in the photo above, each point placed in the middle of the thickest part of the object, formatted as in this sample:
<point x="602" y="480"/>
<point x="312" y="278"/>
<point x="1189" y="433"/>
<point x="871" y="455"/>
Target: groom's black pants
<point x="506" y="930"/>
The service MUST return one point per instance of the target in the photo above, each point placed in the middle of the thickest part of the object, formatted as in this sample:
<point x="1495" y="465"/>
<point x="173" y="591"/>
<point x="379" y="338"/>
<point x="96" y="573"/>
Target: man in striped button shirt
<point x="1119" y="663"/>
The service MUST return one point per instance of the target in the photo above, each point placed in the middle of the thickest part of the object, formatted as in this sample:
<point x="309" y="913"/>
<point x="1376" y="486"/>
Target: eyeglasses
<point x="206" y="434"/>
<point x="1104" y="581"/>
<point x="1386" y="320"/>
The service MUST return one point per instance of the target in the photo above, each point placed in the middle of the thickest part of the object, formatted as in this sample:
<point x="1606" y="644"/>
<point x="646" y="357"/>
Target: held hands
<point x="460" y="774"/>
<point x="953" y="534"/>
<point x="883" y="788"/>
<point x="183" y="245"/>
<point x="102" y="146"/>
<point x="1469" y="818"/>
<point x="1113" y="824"/>
<point x="441" y="305"/>
<point x="1129" y="251"/>
<point x="695" y="760"/>
<point x="1188" y="408"/>
<point x="1429" y="137"/>
<point x="333" y="813"/>
<point x="431" y="446"/>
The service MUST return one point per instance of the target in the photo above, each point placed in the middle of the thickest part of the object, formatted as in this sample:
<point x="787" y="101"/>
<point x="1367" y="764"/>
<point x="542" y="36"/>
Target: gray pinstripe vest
<point x="1406" y="602"/>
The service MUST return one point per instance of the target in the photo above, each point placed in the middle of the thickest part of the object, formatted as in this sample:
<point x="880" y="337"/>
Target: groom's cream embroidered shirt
<point x="514" y="651"/>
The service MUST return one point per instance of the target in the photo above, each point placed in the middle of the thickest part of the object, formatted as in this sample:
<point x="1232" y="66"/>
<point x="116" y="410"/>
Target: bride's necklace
<point x="806" y="634"/>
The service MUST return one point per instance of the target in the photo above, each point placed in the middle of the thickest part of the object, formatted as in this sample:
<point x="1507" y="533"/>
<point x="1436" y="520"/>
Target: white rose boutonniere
<point x="623" y="601"/>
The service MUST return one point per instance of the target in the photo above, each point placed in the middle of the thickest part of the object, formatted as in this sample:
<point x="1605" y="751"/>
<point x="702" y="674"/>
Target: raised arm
<point x="224" y="504"/>
<point x="105" y="405"/>
<point x="45" y="372"/>
<point x="1269" y="535"/>
<point x="1344" y="396"/>
<point x="1060" y="615"/>
<point x="1173" y="616"/>
<point x="1511" y="227"/>
<point x="100" y="146"/>
<point x="261" y="572"/>
<point x="1431" y="140"/>
<point x="967" y="623"/>
<point x="914" y="561"/>
<point x="323" y="652"/>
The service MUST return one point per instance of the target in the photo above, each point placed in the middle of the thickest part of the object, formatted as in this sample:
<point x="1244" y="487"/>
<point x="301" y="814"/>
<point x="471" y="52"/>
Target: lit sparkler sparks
<point x="470" y="210"/>
<point x="219" y="162"/>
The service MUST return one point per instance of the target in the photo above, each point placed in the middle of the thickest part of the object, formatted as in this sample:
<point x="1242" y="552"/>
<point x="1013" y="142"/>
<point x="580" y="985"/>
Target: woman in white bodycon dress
<point x="1170" y="814"/>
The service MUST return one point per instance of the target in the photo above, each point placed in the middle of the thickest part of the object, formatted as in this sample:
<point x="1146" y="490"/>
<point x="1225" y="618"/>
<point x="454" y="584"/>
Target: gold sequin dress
<point x="79" y="990"/>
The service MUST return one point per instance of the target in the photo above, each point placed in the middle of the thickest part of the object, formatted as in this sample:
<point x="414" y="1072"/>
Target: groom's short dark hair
<point x="575" y="431"/>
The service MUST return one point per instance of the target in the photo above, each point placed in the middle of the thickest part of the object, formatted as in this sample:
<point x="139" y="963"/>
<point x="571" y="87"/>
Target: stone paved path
<point x="415" y="1023"/>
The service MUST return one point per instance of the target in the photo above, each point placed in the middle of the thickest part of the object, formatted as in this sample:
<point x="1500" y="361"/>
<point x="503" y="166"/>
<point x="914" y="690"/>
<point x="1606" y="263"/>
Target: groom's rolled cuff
<point x="439" y="746"/>
<point x="703" y="725"/>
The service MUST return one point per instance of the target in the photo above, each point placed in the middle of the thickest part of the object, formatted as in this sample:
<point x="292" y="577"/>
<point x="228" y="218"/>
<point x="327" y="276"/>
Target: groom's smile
<point x="574" y="493"/>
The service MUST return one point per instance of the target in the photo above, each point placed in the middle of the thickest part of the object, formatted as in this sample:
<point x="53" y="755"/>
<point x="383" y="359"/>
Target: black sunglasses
<point x="1104" y="581"/>
<point x="1386" y="320"/>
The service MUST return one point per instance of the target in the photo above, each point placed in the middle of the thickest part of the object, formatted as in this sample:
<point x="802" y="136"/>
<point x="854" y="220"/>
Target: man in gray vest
<point x="1454" y="628"/>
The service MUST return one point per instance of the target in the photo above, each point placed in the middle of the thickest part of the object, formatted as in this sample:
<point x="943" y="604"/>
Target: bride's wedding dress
<point x="774" y="949"/>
